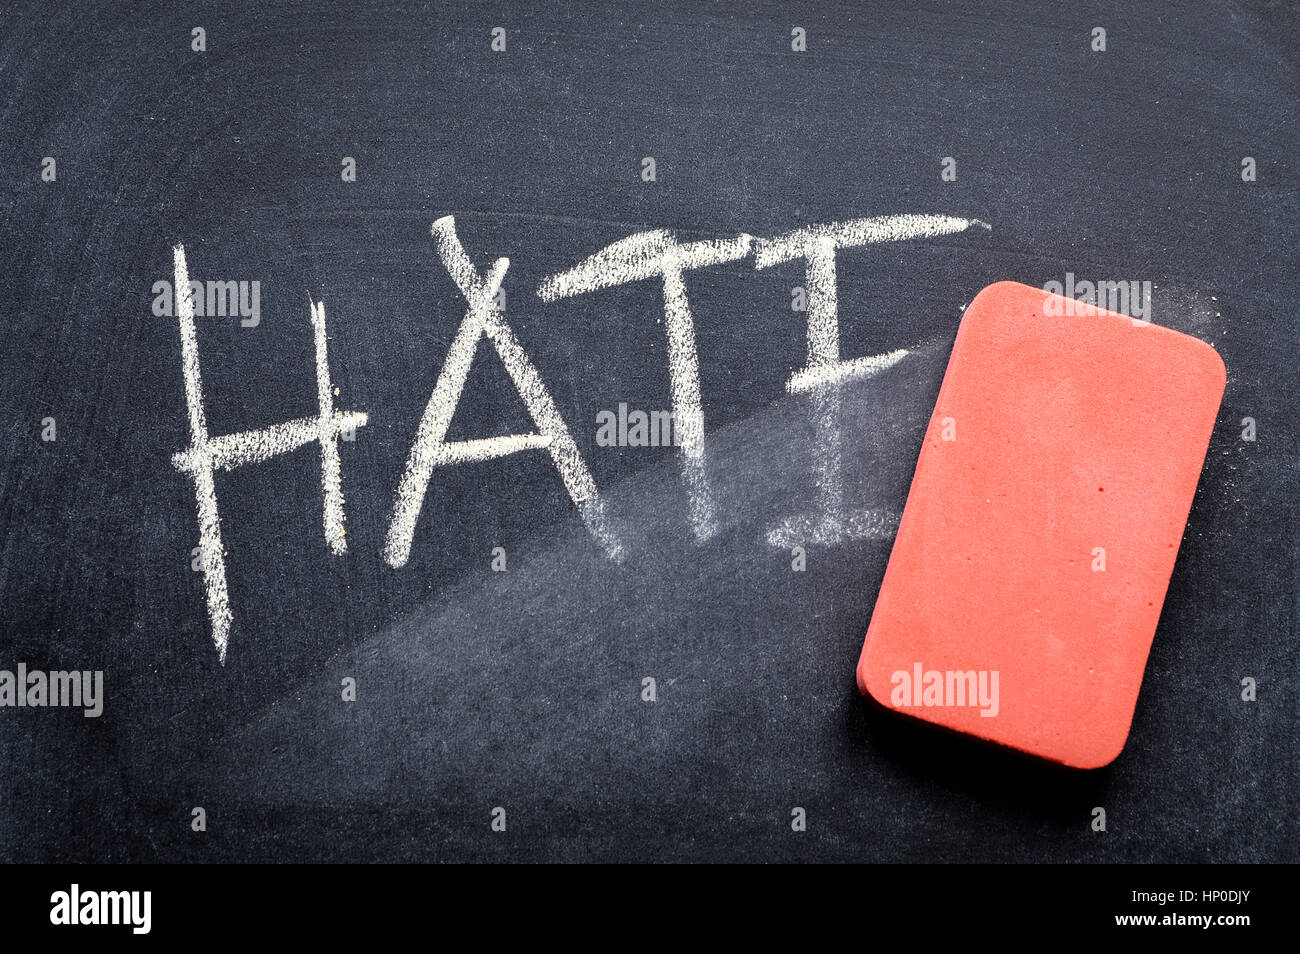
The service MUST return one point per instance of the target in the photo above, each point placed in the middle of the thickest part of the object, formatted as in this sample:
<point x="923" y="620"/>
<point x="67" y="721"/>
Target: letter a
<point x="431" y="449"/>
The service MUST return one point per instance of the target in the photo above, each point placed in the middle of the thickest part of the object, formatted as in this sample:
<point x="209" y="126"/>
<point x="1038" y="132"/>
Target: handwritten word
<point x="653" y="255"/>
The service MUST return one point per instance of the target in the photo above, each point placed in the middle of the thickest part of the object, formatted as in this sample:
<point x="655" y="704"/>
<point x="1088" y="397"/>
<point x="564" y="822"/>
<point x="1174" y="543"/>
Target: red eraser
<point x="1040" y="532"/>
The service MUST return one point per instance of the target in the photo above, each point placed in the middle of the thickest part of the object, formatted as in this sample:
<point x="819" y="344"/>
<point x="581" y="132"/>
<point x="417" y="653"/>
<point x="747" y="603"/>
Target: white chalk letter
<point x="431" y="450"/>
<point x="658" y="254"/>
<point x="206" y="454"/>
<point x="825" y="370"/>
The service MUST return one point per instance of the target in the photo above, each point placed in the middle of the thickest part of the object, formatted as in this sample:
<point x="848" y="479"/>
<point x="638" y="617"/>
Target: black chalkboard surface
<point x="487" y="697"/>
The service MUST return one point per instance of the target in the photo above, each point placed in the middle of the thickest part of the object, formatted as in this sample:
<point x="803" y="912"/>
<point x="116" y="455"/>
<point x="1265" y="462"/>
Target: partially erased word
<point x="655" y="255"/>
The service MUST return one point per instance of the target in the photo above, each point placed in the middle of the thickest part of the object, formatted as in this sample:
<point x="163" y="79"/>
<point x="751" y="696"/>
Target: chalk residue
<point x="824" y="369"/>
<point x="228" y="451"/>
<point x="327" y="432"/>
<point x="210" y="553"/>
<point x="657" y="254"/>
<point x="857" y="524"/>
<point x="205" y="454"/>
<point x="431" y="449"/>
<point x="810" y="379"/>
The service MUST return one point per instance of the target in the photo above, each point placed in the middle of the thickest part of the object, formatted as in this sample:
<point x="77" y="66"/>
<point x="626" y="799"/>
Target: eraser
<point x="1040" y="531"/>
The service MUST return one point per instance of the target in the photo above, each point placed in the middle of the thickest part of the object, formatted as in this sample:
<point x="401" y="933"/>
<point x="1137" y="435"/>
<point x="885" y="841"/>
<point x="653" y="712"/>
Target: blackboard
<point x="523" y="689"/>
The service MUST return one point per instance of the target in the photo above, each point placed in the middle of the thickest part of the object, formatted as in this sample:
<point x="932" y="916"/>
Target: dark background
<point x="521" y="689"/>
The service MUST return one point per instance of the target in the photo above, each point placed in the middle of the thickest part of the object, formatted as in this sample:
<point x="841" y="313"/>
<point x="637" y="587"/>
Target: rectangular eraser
<point x="1035" y="549"/>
